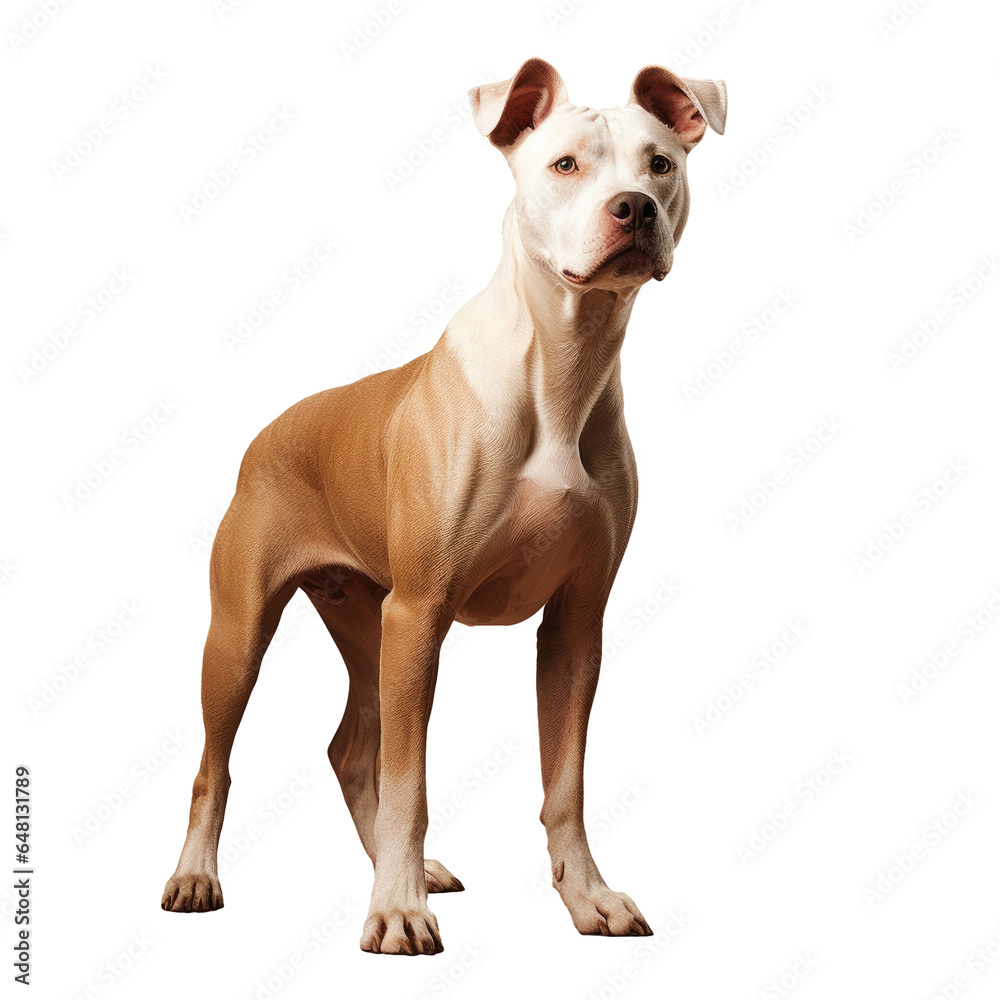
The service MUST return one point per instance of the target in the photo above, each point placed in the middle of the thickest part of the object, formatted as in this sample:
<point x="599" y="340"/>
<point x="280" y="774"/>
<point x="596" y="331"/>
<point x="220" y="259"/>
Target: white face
<point x="602" y="196"/>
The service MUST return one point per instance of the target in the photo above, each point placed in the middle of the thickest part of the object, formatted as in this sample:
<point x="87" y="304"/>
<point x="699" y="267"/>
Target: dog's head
<point x="602" y="196"/>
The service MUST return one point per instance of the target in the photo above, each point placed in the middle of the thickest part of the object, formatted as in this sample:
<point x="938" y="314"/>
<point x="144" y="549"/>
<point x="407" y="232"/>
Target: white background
<point x="669" y="807"/>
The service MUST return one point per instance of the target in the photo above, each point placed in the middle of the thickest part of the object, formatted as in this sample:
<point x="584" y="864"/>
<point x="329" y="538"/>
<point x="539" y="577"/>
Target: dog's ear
<point x="504" y="110"/>
<point x="682" y="104"/>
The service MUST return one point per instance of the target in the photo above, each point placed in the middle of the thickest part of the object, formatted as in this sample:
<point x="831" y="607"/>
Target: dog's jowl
<point x="481" y="482"/>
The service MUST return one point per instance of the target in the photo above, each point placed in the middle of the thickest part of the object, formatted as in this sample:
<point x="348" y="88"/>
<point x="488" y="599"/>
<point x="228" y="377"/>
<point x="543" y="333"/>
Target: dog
<point x="481" y="482"/>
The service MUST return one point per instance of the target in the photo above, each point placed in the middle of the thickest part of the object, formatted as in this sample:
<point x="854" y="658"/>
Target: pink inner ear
<point x="674" y="108"/>
<point x="518" y="115"/>
<point x="689" y="125"/>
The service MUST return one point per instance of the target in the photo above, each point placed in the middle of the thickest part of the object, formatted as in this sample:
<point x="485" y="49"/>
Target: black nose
<point x="632" y="210"/>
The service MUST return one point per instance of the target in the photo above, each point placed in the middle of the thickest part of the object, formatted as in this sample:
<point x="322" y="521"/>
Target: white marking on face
<point x="570" y="168"/>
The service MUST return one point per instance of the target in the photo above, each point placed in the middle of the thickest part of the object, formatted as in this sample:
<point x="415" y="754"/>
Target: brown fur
<point x="483" y="481"/>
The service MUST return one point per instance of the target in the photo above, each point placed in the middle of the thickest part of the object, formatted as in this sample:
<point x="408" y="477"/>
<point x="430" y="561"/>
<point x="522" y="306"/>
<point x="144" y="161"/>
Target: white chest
<point x="556" y="467"/>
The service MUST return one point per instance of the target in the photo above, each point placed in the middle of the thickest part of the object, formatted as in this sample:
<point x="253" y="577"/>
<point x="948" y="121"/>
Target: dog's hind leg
<point x="250" y="583"/>
<point x="350" y="605"/>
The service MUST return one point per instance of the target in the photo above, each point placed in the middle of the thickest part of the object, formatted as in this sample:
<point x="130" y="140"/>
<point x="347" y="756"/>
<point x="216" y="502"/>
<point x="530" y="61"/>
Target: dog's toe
<point x="439" y="879"/>
<point x="195" y="892"/>
<point x="410" y="930"/>
<point x="612" y="914"/>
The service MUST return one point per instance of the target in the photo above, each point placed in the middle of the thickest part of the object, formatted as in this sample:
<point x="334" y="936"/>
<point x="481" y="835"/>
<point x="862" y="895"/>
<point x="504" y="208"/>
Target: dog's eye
<point x="660" y="164"/>
<point x="566" y="165"/>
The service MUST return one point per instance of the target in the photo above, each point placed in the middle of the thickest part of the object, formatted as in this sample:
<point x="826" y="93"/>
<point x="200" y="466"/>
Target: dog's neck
<point x="531" y="346"/>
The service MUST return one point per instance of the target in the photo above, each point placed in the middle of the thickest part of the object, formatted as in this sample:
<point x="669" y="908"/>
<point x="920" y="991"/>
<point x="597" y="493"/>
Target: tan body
<point x="485" y="480"/>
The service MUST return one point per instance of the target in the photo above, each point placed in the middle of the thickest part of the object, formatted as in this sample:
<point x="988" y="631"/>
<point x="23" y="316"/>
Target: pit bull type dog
<point x="481" y="482"/>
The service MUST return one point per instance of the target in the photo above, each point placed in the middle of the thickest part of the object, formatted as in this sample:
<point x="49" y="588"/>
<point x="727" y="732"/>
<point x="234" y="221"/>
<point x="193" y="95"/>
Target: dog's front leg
<point x="569" y="661"/>
<point x="399" y="921"/>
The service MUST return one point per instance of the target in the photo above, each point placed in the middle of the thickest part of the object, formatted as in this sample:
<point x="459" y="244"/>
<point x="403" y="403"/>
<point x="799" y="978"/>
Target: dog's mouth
<point x="625" y="262"/>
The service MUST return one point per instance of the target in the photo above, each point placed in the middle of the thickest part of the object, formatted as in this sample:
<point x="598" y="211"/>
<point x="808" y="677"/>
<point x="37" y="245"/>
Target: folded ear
<point x="504" y="110"/>
<point x="680" y="103"/>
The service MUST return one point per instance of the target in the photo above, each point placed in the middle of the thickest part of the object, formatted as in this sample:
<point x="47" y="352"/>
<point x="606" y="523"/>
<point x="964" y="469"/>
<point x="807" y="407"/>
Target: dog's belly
<point x="535" y="550"/>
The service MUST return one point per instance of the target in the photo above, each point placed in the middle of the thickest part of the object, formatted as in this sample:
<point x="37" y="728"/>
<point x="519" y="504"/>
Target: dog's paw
<point x="410" y="930"/>
<point x="603" y="911"/>
<point x="192" y="892"/>
<point x="439" y="879"/>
